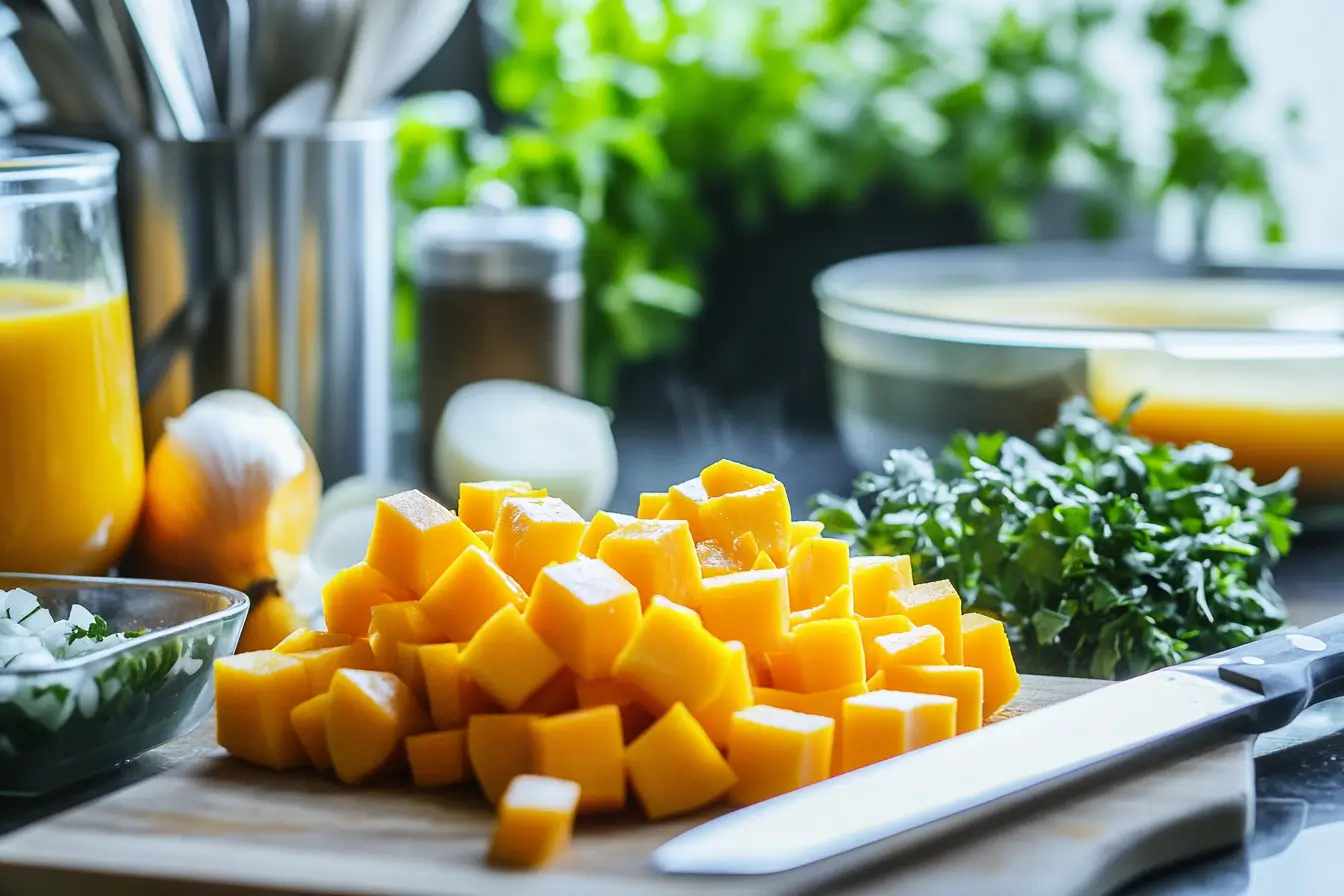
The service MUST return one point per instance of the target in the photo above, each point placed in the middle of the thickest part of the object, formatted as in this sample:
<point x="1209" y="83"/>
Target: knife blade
<point x="878" y="812"/>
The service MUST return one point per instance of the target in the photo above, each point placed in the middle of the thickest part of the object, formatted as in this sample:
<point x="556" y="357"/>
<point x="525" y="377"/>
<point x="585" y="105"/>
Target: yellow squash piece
<point x="635" y="716"/>
<point x="650" y="505"/>
<point x="309" y="719"/>
<point x="269" y="621"/>
<point x="786" y="671"/>
<point x="872" y="628"/>
<point x="536" y="821"/>
<point x="453" y="696"/>
<point x="724" y="476"/>
<point x="349" y="598"/>
<point x="874" y="578"/>
<point x="884" y="724"/>
<point x="588" y="748"/>
<point x="321" y="664"/>
<point x="599" y="527"/>
<point x="751" y="607"/>
<point x="508" y="659"/>
<point x="822" y="703"/>
<point x="478" y="502"/>
<point x="415" y="538"/>
<point x="719" y="560"/>
<point x="469" y="592"/>
<point x="774" y="751"/>
<point x="437" y="758"/>
<point x="817" y="567"/>
<point x="985" y="646"/>
<point x="533" y="532"/>
<point x="657" y="557"/>
<point x="763" y="511"/>
<point x="386" y="655"/>
<point x="307" y="639"/>
<point x="487" y="537"/>
<point x="840" y="605"/>
<point x="369" y="716"/>
<point x="801" y="530"/>
<point x="683" y="503"/>
<point x="499" y="748"/>
<point x="672" y="659"/>
<point x="936" y="604"/>
<point x="559" y="694"/>
<point x="830" y="654"/>
<point x="919" y="646"/>
<point x="406" y="623"/>
<point x="411" y="672"/>
<point x="675" y="767"/>
<point x="965" y="683"/>
<point x="763" y="561"/>
<point x="254" y="695"/>
<point x="716" y="717"/>
<point x="586" y="612"/>
<point x="878" y="681"/>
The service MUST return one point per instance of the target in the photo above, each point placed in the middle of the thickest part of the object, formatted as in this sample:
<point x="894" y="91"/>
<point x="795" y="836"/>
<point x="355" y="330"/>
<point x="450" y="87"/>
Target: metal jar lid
<point x="494" y="244"/>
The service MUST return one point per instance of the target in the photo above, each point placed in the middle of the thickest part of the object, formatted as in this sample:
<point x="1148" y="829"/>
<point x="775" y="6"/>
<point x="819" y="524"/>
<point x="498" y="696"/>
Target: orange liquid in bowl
<point x="72" y="471"/>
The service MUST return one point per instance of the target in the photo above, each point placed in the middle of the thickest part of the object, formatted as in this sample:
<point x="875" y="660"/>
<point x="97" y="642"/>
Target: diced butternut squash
<point x="985" y="646"/>
<point x="586" y="612"/>
<point x="599" y="527"/>
<point x="822" y="703"/>
<point x="718" y="560"/>
<point x="415" y="538"/>
<point x="437" y="758"/>
<point x="321" y="664"/>
<point x="635" y="716"/>
<point x="478" y="502"/>
<point x="786" y="671"/>
<point x="410" y="671"/>
<point x="874" y="578"/>
<point x="920" y="646"/>
<point x="883" y="724"/>
<point x="802" y="530"/>
<point x="675" y="767"/>
<point x="650" y="505"/>
<point x="840" y="605"/>
<point x="965" y="683"/>
<point x="406" y="623"/>
<point x="683" y="503"/>
<point x="763" y="511"/>
<point x="386" y="656"/>
<point x="487" y="537"/>
<point x="533" y="532"/>
<point x="508" y="659"/>
<point x="724" y="476"/>
<point x="774" y="751"/>
<point x="453" y="696"/>
<point x="304" y="640"/>
<point x="499" y="748"/>
<point x="369" y="716"/>
<point x="559" y="694"/>
<point x="349" y="597"/>
<point x="751" y="607"/>
<point x="672" y="659"/>
<point x="255" y="693"/>
<point x="717" y="716"/>
<point x="763" y="561"/>
<point x="936" y="604"/>
<point x="536" y="821"/>
<point x="588" y="748"/>
<point x="817" y="567"/>
<point x="874" y="627"/>
<point x="657" y="557"/>
<point x="269" y="621"/>
<point x="878" y="681"/>
<point x="309" y="719"/>
<point x="471" y="590"/>
<point x="830" y="654"/>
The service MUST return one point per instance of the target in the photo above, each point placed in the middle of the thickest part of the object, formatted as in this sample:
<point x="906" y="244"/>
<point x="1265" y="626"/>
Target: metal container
<point x="284" y="246"/>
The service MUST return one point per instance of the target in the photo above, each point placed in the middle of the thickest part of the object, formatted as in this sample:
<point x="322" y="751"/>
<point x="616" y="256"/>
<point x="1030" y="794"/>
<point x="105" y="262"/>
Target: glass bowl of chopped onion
<point x="96" y="671"/>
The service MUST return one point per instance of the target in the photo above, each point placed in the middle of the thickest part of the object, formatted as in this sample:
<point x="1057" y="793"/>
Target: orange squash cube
<point x="533" y="532"/>
<point x="786" y="671"/>
<point x="657" y="557"/>
<point x="672" y="659"/>
<point x="650" y="505"/>
<point x="406" y="623"/>
<point x="309" y="719"/>
<point x="304" y="640"/>
<point x="840" y="605"/>
<point x="588" y="748"/>
<point x="763" y="561"/>
<point x="321" y="664"/>
<point x="469" y="592"/>
<point x="725" y="476"/>
<point x="763" y="511"/>
<point x="874" y="578"/>
<point x="817" y="567"/>
<point x="255" y="693"/>
<point x="410" y="671"/>
<point x="873" y="627"/>
<point x="437" y="758"/>
<point x="774" y="751"/>
<point x="586" y="612"/>
<point x="350" y="596"/>
<point x="683" y="503"/>
<point x="369" y="716"/>
<point x="478" y="502"/>
<point x="884" y="724"/>
<point x="985" y="646"/>
<point x="920" y="646"/>
<point x="635" y="716"/>
<point x="830" y="653"/>
<point x="675" y="768"/>
<point x="453" y="696"/>
<point x="714" y="560"/>
<point x="751" y="607"/>
<point x="415" y="538"/>
<point x="270" y="620"/>
<point x="878" y="681"/>
<point x="536" y="821"/>
<point x="717" y="716"/>
<point x="599" y="527"/>
<point x="801" y="530"/>
<point x="822" y="703"/>
<point x="559" y="694"/>
<point x="499" y="748"/>
<point x="936" y="604"/>
<point x="965" y="683"/>
<point x="487" y="537"/>
<point x="508" y="659"/>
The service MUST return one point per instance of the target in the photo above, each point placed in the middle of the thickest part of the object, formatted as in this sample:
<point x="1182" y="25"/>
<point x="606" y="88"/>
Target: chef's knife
<point x="888" y="808"/>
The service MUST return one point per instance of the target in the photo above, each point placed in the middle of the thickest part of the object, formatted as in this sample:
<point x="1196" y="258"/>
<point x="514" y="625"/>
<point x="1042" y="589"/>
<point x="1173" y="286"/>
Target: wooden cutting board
<point x="217" y="826"/>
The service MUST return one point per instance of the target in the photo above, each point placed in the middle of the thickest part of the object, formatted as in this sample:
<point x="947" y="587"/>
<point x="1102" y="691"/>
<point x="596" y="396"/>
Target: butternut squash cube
<point x="717" y="716"/>
<point x="586" y="612"/>
<point x="650" y="505"/>
<point x="786" y="670"/>
<point x="536" y="821"/>
<point x="725" y="476"/>
<point x="801" y="530"/>
<point x="840" y="605"/>
<point x="874" y="578"/>
<point x="471" y="590"/>
<point x="817" y="567"/>
<point x="557" y="695"/>
<point x="675" y="767"/>
<point x="478" y="502"/>
<point x="751" y="607"/>
<point x="453" y="696"/>
<point x="920" y="646"/>
<point x="588" y="748"/>
<point x="321" y="664"/>
<point x="965" y="683"/>
<point x="884" y="724"/>
<point x="672" y="659"/>
<point x="936" y="604"/>
<point x="270" y="620"/>
<point x="386" y="656"/>
<point x="499" y="748"/>
<point x="305" y="640"/>
<point x="369" y="716"/>
<point x="763" y="561"/>
<point x="683" y="503"/>
<point x="415" y="538"/>
<point x="350" y="596"/>
<point x="410" y="671"/>
<point x="774" y="751"/>
<point x="878" y="681"/>
<point x="437" y="758"/>
<point x="873" y="627"/>
<point x="823" y="703"/>
<point x="635" y="717"/>
<point x="599" y="527"/>
<point x="309" y="719"/>
<point x="985" y="646"/>
<point x="255" y="693"/>
<point x="533" y="532"/>
<point x="487" y="537"/>
<point x="830" y="654"/>
<point x="657" y="557"/>
<point x="508" y="659"/>
<point x="717" y="559"/>
<point x="406" y="623"/>
<point x="763" y="511"/>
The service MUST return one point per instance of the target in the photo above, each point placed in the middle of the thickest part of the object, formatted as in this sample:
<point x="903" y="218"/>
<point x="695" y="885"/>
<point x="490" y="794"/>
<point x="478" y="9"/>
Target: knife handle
<point x="1292" y="670"/>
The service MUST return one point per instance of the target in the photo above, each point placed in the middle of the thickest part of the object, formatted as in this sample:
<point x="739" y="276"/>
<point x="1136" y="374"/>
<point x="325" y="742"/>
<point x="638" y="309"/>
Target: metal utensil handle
<point x="181" y="333"/>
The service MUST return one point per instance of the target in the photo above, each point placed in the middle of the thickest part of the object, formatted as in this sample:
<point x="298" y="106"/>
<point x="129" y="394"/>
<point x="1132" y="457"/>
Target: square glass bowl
<point x="83" y="716"/>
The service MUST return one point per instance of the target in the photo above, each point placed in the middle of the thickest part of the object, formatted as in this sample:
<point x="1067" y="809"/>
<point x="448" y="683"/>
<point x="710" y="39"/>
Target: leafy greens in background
<point x="632" y="112"/>
<point x="1105" y="555"/>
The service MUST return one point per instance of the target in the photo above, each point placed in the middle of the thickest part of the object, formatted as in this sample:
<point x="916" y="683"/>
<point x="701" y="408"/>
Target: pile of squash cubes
<point x="710" y="648"/>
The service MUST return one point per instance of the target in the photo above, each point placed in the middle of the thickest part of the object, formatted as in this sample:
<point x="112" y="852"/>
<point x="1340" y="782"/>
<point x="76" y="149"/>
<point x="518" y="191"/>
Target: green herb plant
<point x="1105" y="555"/>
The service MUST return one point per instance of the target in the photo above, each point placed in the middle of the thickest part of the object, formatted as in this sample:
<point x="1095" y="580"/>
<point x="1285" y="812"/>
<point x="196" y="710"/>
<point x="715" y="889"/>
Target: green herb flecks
<point x="97" y="631"/>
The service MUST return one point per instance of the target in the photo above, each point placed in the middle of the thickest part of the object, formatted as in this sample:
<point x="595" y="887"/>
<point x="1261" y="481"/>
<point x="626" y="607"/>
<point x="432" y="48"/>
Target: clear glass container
<point x="83" y="716"/>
